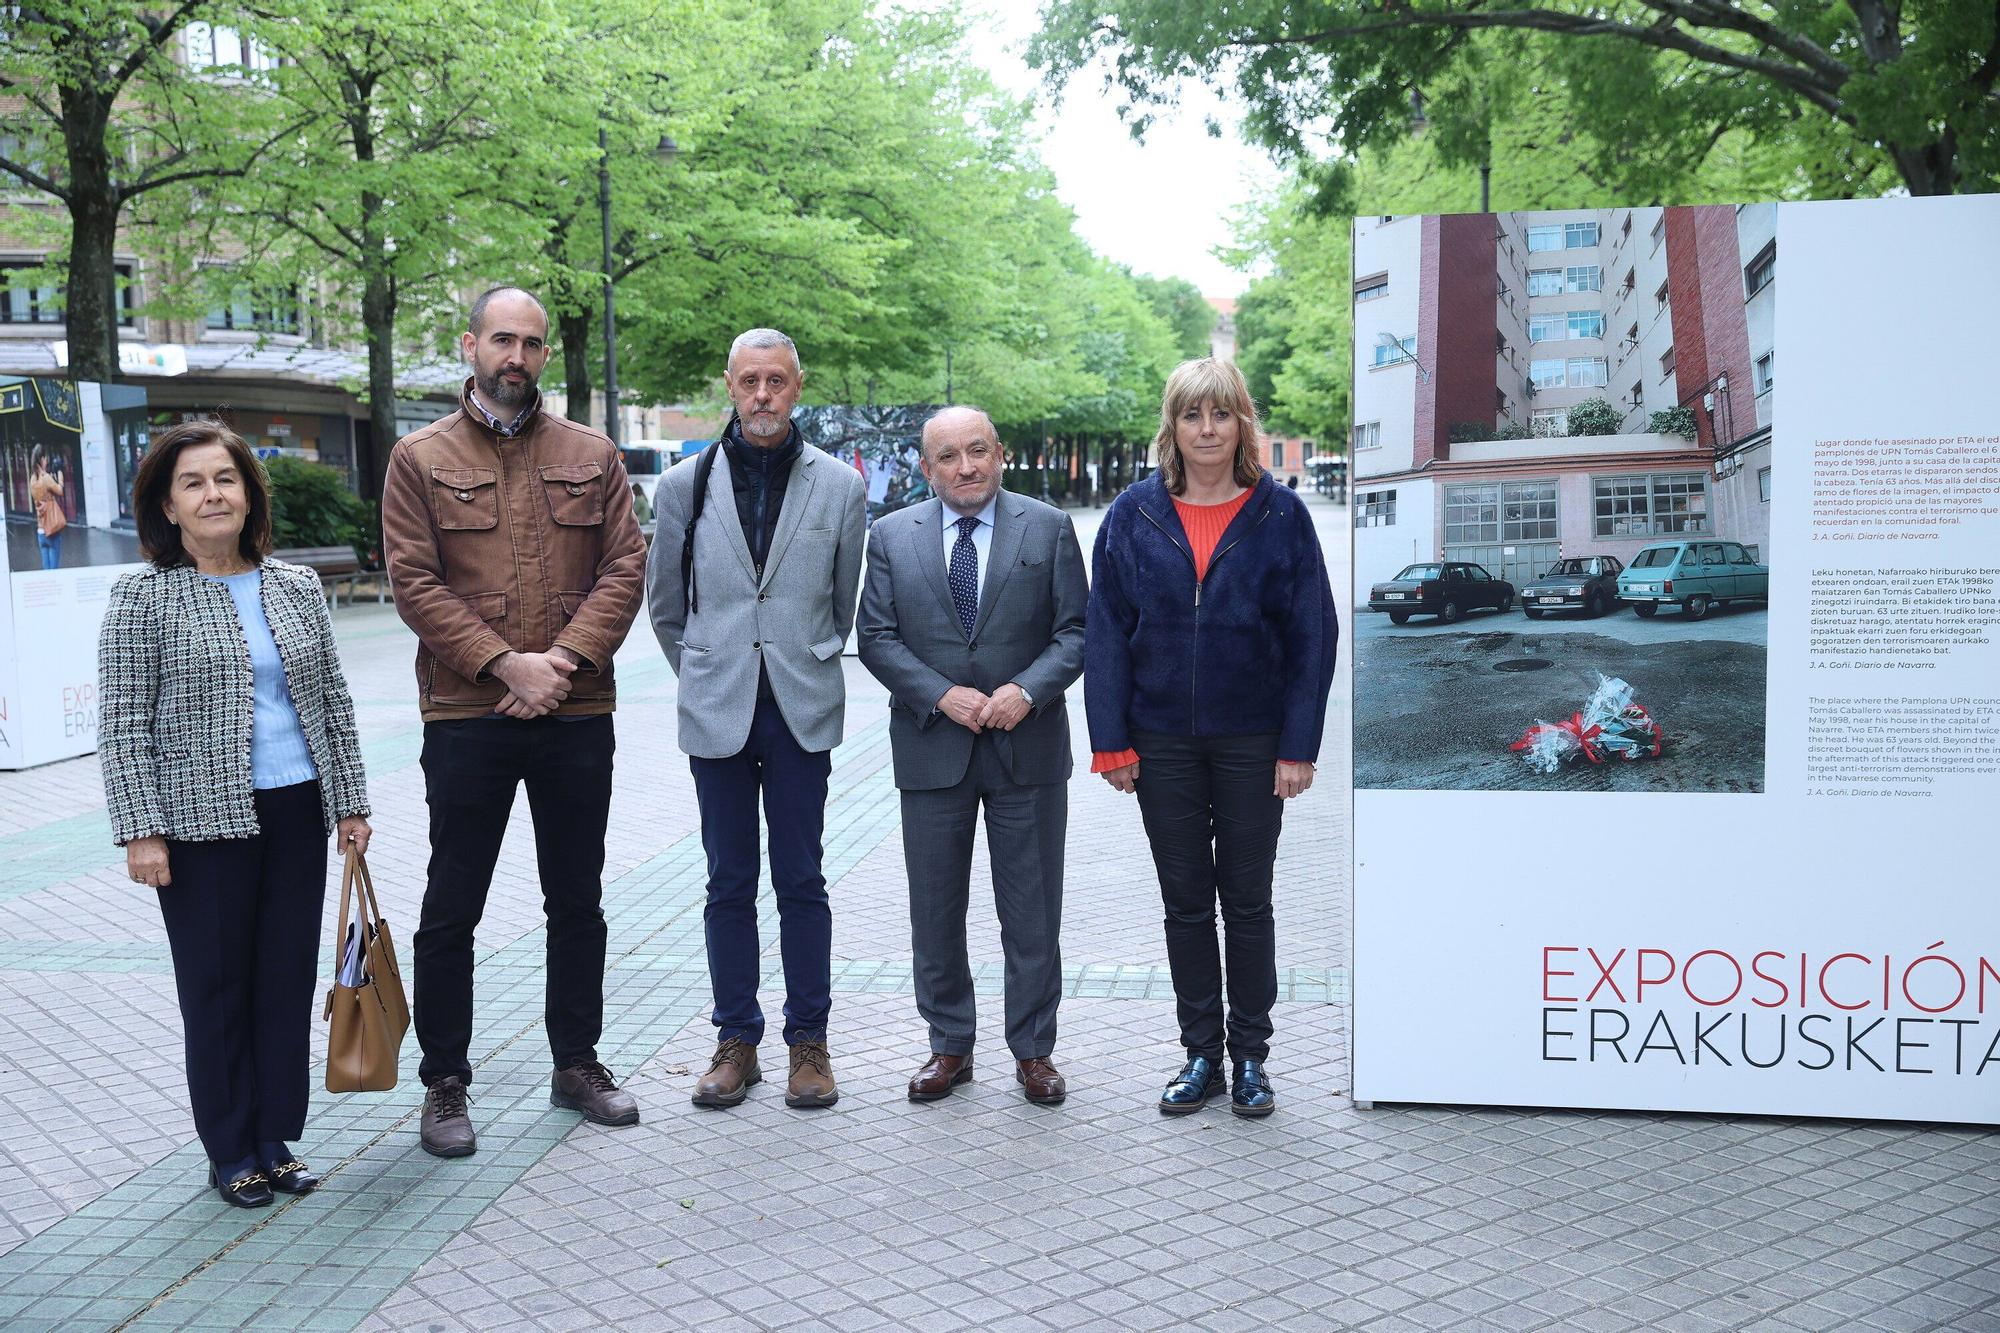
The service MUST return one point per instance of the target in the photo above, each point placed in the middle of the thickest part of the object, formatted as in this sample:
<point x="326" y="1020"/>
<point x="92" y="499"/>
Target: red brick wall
<point x="1455" y="329"/>
<point x="1711" y="336"/>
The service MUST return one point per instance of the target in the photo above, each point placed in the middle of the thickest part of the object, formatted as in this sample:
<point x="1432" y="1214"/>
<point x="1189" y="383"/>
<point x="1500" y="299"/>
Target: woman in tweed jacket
<point x="227" y="740"/>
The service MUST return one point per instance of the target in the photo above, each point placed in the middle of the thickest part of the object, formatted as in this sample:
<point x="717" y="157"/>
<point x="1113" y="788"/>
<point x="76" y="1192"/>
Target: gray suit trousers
<point x="1025" y="831"/>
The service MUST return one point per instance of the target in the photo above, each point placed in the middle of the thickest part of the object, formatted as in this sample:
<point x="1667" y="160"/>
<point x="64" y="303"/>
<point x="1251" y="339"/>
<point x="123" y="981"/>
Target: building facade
<point x="1476" y="336"/>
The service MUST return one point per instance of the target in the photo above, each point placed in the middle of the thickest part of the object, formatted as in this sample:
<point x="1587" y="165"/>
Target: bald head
<point x="959" y="423"/>
<point x="962" y="459"/>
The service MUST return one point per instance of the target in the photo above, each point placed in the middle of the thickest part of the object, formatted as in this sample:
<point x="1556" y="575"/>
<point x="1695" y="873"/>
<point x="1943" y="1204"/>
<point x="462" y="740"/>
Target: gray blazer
<point x="1029" y="630"/>
<point x="175" y="698"/>
<point x="793" y="620"/>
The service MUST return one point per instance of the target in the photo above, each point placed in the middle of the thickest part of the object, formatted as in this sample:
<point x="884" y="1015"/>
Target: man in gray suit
<point x="972" y="615"/>
<point x="752" y="621"/>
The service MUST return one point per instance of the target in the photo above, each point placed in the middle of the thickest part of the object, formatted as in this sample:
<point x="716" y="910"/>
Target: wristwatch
<point x="1024" y="693"/>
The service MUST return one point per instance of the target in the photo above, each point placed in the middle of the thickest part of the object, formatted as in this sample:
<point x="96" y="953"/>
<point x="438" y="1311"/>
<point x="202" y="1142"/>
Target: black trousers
<point x="243" y="919"/>
<point x="1213" y="823"/>
<point x="471" y="769"/>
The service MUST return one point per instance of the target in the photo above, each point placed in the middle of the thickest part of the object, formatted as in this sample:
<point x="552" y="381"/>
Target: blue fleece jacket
<point x="1248" y="649"/>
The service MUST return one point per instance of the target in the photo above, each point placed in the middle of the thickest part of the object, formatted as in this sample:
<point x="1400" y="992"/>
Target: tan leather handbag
<point x="365" y="1007"/>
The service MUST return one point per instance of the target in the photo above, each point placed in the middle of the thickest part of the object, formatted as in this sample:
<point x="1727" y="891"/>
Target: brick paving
<point x="978" y="1211"/>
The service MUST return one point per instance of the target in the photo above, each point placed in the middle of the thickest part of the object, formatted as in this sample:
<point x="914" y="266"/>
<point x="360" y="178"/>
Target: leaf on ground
<point x="675" y="1069"/>
<point x="687" y="1203"/>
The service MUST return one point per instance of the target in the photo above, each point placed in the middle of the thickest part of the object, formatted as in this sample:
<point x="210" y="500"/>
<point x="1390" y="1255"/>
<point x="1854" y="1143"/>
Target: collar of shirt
<point x="985" y="516"/>
<point x="504" y="429"/>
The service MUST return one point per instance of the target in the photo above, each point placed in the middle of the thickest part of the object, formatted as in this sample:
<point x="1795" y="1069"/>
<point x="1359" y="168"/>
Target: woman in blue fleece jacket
<point x="1208" y="659"/>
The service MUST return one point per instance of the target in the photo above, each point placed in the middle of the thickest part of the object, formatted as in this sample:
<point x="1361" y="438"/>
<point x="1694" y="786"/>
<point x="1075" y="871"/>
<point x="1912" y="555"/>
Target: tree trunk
<point x="90" y="301"/>
<point x="573" y="327"/>
<point x="378" y="319"/>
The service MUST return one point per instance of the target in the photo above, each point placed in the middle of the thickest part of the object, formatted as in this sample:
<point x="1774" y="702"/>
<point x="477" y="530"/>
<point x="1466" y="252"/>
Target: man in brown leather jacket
<point x="515" y="557"/>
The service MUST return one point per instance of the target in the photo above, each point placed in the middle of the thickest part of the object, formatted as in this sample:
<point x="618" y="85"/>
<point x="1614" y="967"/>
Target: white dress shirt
<point x="982" y="536"/>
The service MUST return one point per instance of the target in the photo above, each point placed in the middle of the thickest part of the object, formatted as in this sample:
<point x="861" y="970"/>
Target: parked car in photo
<point x="1446" y="589"/>
<point x="1586" y="583"/>
<point x="1693" y="575"/>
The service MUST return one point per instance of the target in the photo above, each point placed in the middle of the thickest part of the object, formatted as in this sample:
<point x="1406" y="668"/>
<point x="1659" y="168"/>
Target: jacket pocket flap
<point x="464" y="478"/>
<point x="488" y="605"/>
<point x="571" y="601"/>
<point x="572" y="472"/>
<point x="826" y="648"/>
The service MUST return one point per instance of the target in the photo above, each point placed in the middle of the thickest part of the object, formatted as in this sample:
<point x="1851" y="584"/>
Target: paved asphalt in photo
<point x="1437" y="706"/>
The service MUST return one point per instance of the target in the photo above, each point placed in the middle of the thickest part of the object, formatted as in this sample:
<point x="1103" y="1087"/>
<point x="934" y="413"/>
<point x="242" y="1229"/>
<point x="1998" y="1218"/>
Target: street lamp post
<point x="610" y="289"/>
<point x="665" y="154"/>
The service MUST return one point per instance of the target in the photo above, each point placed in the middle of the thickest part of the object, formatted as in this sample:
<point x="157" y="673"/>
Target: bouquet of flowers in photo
<point x="1610" y="725"/>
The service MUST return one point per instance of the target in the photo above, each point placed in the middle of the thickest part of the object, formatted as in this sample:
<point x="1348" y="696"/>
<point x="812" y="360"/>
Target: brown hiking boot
<point x="811" y="1083"/>
<point x="730" y="1075"/>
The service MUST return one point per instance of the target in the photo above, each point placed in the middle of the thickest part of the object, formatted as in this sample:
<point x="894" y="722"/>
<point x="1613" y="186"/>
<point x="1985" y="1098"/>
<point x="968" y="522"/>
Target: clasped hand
<point x="976" y="712"/>
<point x="537" y="683"/>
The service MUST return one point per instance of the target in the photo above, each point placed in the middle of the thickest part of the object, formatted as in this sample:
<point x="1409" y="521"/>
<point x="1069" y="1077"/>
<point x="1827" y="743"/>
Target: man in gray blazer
<point x="972" y="615"/>
<point x="753" y="622"/>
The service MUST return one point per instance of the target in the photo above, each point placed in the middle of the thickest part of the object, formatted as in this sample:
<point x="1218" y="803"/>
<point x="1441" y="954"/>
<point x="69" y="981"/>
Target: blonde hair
<point x="1191" y="382"/>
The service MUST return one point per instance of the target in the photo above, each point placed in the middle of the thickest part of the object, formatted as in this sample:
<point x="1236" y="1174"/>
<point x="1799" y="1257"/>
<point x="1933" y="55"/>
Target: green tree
<point x="1908" y="84"/>
<point x="395" y="193"/>
<point x="106" y="119"/>
<point x="1186" y="312"/>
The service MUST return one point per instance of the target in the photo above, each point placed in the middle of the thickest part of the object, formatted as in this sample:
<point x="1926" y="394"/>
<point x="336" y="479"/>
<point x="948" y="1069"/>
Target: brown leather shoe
<point x="589" y="1088"/>
<point x="1040" y="1082"/>
<point x="730" y="1075"/>
<point x="811" y="1083"/>
<point x="938" y="1077"/>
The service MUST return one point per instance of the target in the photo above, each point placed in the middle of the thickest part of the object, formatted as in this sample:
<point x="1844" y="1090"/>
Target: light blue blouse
<point x="278" y="753"/>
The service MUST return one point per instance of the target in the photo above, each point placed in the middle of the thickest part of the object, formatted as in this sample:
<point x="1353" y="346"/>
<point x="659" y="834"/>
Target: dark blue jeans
<point x="792" y="782"/>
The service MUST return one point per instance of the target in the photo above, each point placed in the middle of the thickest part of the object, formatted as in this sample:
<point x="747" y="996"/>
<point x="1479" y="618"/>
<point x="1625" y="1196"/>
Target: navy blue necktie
<point x="964" y="574"/>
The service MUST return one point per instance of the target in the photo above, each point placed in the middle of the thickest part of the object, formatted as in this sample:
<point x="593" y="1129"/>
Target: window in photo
<point x="1660" y="504"/>
<point x="1579" y="235"/>
<point x="1367" y="435"/>
<point x="1586" y="324"/>
<point x="1764" y="484"/>
<point x="1766" y="368"/>
<point x="1545" y="238"/>
<point x="1759" y="272"/>
<point x="1393" y="352"/>
<point x="1370" y="289"/>
<point x="1584" y="278"/>
<point x="1375" y="509"/>
<point x="1549" y="423"/>
<point x="1546" y="328"/>
<point x="1545" y="282"/>
<point x="1666" y="363"/>
<point x="1660" y="231"/>
<point x="1660" y="299"/>
<point x="1546" y="373"/>
<point x="1588" y="372"/>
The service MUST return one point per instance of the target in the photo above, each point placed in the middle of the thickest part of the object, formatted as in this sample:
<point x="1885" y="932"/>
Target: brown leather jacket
<point x="502" y="545"/>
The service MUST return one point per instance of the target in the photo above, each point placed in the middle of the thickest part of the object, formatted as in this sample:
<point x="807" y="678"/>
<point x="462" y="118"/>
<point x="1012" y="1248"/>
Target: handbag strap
<point x="365" y="900"/>
<point x="347" y="889"/>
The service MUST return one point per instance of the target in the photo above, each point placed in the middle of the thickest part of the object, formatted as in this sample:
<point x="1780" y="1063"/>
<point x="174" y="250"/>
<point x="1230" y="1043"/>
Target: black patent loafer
<point x="1251" y="1094"/>
<point x="1200" y="1079"/>
<point x="286" y="1173"/>
<point x="244" y="1189"/>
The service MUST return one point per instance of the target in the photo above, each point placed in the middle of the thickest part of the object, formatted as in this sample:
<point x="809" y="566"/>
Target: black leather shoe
<point x="287" y="1174"/>
<point x="1200" y="1079"/>
<point x="247" y="1188"/>
<point x="1252" y="1094"/>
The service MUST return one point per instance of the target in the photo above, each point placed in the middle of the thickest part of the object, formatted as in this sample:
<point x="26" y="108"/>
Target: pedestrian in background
<point x="45" y="492"/>
<point x="1209" y="656"/>
<point x="227" y="741"/>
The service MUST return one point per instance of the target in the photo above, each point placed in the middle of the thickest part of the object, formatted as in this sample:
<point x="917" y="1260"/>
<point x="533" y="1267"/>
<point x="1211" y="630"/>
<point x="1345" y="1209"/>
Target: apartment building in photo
<point x="1476" y="335"/>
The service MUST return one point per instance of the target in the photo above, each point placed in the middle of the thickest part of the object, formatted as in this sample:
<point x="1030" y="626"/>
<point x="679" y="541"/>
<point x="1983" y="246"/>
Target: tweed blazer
<point x="176" y="695"/>
<point x="789" y="618"/>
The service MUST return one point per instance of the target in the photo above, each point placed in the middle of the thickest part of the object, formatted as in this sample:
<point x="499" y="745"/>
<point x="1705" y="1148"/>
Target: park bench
<point x="336" y="566"/>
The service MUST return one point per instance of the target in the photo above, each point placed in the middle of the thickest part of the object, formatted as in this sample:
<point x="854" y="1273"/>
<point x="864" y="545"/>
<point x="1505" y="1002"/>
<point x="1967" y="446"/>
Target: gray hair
<point x="763" y="338"/>
<point x="924" y="440"/>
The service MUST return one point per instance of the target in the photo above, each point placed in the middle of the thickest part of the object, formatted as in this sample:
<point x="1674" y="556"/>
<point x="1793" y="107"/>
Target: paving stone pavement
<point x="978" y="1211"/>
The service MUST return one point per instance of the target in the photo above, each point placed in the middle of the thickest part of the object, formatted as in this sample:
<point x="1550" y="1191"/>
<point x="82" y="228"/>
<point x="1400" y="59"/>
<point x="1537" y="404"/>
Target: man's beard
<point x="502" y="394"/>
<point x="774" y="427"/>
